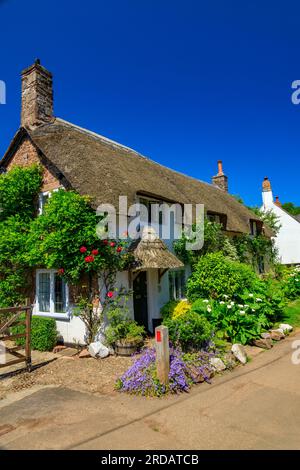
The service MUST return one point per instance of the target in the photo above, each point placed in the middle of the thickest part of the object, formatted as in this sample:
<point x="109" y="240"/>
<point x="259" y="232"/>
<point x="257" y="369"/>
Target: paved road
<point x="254" y="407"/>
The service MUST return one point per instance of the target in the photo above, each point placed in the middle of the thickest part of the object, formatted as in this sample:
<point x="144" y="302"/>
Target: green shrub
<point x="215" y="275"/>
<point x="190" y="331"/>
<point x="122" y="328"/>
<point x="43" y="333"/>
<point x="239" y="323"/>
<point x="291" y="283"/>
<point x="168" y="309"/>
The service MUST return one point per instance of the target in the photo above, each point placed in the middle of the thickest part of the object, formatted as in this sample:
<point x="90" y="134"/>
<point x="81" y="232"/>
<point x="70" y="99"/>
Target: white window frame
<point x="52" y="314"/>
<point x="46" y="193"/>
<point x="181" y="294"/>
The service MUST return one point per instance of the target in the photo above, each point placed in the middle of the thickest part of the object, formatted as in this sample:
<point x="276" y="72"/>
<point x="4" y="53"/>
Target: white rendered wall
<point x="288" y="239"/>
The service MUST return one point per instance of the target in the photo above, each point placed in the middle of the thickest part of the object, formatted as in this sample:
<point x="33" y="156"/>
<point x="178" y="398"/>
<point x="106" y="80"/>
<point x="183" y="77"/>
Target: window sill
<point x="57" y="316"/>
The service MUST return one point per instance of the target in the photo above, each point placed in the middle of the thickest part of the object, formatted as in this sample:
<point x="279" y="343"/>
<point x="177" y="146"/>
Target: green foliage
<point x="292" y="313"/>
<point x="214" y="275"/>
<point x="238" y="323"/>
<point x="168" y="309"/>
<point x="291" y="208"/>
<point x="190" y="331"/>
<point x="43" y="333"/>
<point x="268" y="217"/>
<point x="214" y="240"/>
<point x="18" y="192"/>
<point x="122" y="328"/>
<point x="291" y="283"/>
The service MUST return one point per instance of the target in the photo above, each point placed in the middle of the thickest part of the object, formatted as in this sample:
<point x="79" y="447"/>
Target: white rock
<point x="285" y="327"/>
<point x="98" y="349"/>
<point x="217" y="364"/>
<point x="239" y="352"/>
<point x="280" y="330"/>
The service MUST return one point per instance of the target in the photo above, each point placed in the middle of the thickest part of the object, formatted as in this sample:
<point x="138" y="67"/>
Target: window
<point x="52" y="294"/>
<point x="255" y="228"/>
<point x="177" y="284"/>
<point x="43" y="199"/>
<point x="214" y="218"/>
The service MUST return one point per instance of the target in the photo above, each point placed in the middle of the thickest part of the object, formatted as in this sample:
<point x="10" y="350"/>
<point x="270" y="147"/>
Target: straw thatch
<point x="103" y="169"/>
<point x="152" y="253"/>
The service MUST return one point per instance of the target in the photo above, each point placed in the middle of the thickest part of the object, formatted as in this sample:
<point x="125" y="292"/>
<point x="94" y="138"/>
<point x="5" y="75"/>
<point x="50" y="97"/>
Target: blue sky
<point x="183" y="82"/>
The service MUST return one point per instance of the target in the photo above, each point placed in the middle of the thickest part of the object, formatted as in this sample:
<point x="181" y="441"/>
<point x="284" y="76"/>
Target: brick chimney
<point x="220" y="180"/>
<point x="37" y="96"/>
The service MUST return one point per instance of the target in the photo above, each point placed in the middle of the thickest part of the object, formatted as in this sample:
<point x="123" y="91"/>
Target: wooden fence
<point x="5" y="335"/>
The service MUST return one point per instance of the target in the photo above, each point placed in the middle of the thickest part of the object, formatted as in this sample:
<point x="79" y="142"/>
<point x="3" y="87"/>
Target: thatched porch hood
<point x="150" y="252"/>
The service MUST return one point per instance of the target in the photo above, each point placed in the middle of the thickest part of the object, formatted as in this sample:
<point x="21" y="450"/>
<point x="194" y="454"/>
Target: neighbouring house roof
<point x="104" y="170"/>
<point x="297" y="217"/>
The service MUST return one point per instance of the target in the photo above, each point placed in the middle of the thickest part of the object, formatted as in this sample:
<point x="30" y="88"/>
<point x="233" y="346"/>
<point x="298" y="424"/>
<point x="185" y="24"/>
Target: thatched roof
<point x="152" y="253"/>
<point x="105" y="170"/>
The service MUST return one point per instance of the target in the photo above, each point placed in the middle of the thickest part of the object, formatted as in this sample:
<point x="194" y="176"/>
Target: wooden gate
<point x="5" y="325"/>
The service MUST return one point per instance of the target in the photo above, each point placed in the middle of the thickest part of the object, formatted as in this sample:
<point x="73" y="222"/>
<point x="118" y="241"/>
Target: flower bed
<point x="185" y="370"/>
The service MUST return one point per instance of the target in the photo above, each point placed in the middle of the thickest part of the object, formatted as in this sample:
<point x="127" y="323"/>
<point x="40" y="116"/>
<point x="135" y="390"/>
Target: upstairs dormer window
<point x="217" y="218"/>
<point x="255" y="228"/>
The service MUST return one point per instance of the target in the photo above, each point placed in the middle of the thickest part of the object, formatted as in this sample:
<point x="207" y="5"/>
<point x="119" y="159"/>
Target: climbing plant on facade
<point x="18" y="196"/>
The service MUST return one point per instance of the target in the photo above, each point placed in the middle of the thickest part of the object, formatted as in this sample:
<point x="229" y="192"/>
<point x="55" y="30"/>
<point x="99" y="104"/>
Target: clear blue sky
<point x="184" y="82"/>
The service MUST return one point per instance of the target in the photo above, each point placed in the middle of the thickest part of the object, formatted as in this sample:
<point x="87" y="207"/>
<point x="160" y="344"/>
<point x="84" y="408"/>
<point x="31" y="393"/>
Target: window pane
<point x="59" y="295"/>
<point x="44" y="292"/>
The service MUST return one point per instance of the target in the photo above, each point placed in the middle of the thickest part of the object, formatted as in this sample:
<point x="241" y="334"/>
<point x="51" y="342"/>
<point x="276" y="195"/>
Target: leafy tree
<point x="291" y="208"/>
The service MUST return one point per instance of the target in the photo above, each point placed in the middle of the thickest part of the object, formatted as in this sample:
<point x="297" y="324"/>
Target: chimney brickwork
<point x="37" y="96"/>
<point x="220" y="180"/>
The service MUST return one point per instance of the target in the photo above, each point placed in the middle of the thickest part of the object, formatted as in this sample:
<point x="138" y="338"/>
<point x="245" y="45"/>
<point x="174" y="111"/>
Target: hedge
<point x="43" y="333"/>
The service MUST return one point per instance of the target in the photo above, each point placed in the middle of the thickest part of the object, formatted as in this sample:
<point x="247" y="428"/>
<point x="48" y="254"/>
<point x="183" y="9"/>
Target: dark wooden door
<point x="140" y="299"/>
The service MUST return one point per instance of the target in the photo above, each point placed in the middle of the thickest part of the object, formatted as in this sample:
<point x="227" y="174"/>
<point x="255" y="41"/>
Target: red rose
<point x="119" y="249"/>
<point x="95" y="252"/>
<point x="105" y="242"/>
<point x="112" y="244"/>
<point x="61" y="271"/>
<point x="89" y="259"/>
<point x="83" y="249"/>
<point x="110" y="294"/>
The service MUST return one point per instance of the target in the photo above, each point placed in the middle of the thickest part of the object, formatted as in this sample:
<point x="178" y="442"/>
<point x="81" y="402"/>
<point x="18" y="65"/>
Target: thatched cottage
<point x="76" y="158"/>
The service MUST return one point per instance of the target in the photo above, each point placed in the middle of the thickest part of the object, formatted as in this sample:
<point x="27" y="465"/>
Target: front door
<point x="140" y="299"/>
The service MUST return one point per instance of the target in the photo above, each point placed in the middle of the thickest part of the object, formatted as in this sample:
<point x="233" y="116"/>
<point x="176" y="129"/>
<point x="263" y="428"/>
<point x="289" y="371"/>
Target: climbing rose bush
<point x="185" y="370"/>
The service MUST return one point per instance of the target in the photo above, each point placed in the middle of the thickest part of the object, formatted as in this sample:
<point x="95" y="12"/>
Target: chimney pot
<point x="277" y="202"/>
<point x="220" y="167"/>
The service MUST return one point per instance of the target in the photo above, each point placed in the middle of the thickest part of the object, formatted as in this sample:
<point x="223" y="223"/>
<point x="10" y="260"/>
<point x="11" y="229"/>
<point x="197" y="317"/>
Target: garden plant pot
<point x="125" y="349"/>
